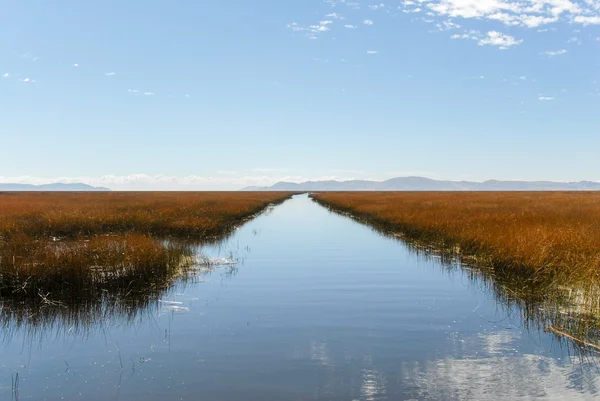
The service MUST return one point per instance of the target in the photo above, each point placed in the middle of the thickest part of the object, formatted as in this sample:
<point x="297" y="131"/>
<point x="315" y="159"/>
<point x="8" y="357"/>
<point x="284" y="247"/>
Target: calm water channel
<point x="319" y="307"/>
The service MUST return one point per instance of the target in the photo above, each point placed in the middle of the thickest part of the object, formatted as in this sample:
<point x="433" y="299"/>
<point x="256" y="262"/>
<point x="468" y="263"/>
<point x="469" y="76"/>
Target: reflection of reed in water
<point x="115" y="295"/>
<point x="568" y="310"/>
<point x="551" y="301"/>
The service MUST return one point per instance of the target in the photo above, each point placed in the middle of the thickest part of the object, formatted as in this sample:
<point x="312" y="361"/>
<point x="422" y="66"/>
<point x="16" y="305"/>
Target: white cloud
<point x="587" y="20"/>
<point x="492" y="38"/>
<point x="377" y="6"/>
<point x="555" y="53"/>
<point x="335" y="16"/>
<point x="545" y="98"/>
<point x="523" y="13"/>
<point x="109" y="74"/>
<point x="75" y="65"/>
<point x="6" y="75"/>
<point x="471" y="35"/>
<point x="350" y="26"/>
<point x="28" y="80"/>
<point x="368" y="22"/>
<point x="447" y="26"/>
<point x="502" y="41"/>
<point x="372" y="52"/>
<point x="500" y="370"/>
<point x="311" y="31"/>
<point x="148" y="93"/>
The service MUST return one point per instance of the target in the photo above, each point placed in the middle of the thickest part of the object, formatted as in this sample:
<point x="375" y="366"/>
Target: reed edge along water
<point x="541" y="233"/>
<point x="73" y="245"/>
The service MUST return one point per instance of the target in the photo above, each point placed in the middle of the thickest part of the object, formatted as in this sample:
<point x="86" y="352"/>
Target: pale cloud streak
<point x="555" y="53"/>
<point x="222" y="180"/>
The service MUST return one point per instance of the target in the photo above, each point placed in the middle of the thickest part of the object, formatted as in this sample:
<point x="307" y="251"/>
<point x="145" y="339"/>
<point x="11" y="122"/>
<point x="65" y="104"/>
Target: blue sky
<point x="220" y="95"/>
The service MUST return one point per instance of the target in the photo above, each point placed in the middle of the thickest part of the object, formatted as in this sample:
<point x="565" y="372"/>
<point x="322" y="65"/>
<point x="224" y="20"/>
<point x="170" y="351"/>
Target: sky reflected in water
<point x="318" y="308"/>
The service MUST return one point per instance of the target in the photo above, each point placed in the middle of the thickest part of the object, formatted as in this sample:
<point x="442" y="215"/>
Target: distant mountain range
<point x="77" y="187"/>
<point x="427" y="184"/>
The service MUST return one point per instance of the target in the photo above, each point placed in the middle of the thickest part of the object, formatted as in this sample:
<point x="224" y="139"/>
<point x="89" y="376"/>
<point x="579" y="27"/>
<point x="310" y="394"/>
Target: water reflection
<point x="570" y="311"/>
<point x="494" y="376"/>
<point x="317" y="308"/>
<point x="77" y="317"/>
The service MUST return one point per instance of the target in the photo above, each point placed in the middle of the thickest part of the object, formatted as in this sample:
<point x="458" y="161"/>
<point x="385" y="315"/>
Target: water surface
<point x="319" y="307"/>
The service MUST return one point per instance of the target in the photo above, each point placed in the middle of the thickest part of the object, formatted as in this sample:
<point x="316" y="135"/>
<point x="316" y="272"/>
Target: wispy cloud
<point x="555" y="53"/>
<point x="345" y="171"/>
<point x="27" y="80"/>
<point x="109" y="74"/>
<point x="5" y="75"/>
<point x="545" y="98"/>
<point x="377" y="6"/>
<point x="335" y="16"/>
<point x="368" y="22"/>
<point x="372" y="52"/>
<point x="354" y="26"/>
<point x="30" y="56"/>
<point x="75" y="65"/>
<point x="492" y="38"/>
<point x="311" y="31"/>
<point x="269" y="169"/>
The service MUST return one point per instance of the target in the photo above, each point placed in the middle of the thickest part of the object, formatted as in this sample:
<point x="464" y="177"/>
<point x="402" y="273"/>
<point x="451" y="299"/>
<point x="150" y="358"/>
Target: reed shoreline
<point x="539" y="236"/>
<point x="59" y="247"/>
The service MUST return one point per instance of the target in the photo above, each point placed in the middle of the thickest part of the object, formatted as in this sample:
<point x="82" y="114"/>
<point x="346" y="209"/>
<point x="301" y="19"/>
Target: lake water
<point x="319" y="307"/>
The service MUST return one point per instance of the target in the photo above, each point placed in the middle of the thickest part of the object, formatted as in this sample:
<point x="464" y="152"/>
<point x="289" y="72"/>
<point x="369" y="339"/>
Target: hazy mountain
<point x="427" y="184"/>
<point x="51" y="187"/>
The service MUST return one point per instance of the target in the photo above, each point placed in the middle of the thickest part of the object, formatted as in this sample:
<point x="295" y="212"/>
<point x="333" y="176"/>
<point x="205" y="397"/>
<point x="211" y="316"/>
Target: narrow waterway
<point x="318" y="307"/>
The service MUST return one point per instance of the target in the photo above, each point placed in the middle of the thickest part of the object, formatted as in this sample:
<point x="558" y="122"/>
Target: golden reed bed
<point x="72" y="245"/>
<point x="544" y="232"/>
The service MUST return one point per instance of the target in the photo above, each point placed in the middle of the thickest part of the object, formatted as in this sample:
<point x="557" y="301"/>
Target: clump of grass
<point x="555" y="234"/>
<point x="84" y="268"/>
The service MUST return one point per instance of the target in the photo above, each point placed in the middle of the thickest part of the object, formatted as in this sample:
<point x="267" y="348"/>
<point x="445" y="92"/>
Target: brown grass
<point x="179" y="214"/>
<point x="73" y="245"/>
<point x="556" y="233"/>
